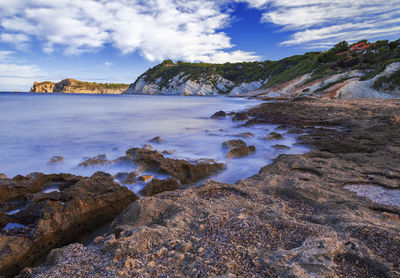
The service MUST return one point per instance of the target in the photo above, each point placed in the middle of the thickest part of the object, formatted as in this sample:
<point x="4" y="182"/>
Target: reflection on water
<point x="36" y="127"/>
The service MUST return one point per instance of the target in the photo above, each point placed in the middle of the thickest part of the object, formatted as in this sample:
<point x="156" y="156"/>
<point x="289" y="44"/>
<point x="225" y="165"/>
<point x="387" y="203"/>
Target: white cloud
<point x="157" y="29"/>
<point x="108" y="64"/>
<point x="318" y="23"/>
<point x="18" y="77"/>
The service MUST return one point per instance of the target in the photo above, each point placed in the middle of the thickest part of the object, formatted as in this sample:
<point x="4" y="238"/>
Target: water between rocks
<point x="36" y="127"/>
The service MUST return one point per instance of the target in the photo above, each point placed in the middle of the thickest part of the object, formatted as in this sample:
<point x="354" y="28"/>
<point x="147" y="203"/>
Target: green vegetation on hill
<point x="372" y="60"/>
<point x="99" y="86"/>
<point x="388" y="82"/>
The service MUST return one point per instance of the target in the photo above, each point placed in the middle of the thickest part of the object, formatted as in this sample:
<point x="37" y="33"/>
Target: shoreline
<point x="292" y="207"/>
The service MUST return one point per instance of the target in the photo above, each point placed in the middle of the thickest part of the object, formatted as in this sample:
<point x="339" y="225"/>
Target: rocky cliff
<point x="77" y="87"/>
<point x="337" y="73"/>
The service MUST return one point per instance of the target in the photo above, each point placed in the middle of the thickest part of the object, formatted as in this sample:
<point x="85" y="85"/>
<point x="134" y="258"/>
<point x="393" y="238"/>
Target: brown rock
<point x="274" y="136"/>
<point x="55" y="160"/>
<point x="182" y="170"/>
<point x="233" y="143"/>
<point x="95" y="161"/>
<point x="145" y="178"/>
<point x="156" y="139"/>
<point x="218" y="115"/>
<point x="240" y="151"/>
<point x="2" y="176"/>
<point x="157" y="186"/>
<point x="240" y="116"/>
<point x="246" y="135"/>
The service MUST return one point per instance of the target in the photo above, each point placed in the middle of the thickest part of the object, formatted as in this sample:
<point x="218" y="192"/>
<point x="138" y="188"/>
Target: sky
<point x="117" y="40"/>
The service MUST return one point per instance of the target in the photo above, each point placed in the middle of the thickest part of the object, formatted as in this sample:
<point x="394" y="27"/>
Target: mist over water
<point x="36" y="127"/>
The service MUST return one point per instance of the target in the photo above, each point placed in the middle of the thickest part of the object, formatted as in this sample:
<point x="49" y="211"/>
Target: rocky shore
<point x="295" y="218"/>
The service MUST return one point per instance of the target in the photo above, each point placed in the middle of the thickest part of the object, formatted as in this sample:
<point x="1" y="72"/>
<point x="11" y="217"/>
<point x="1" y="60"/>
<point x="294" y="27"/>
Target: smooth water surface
<point x="36" y="127"/>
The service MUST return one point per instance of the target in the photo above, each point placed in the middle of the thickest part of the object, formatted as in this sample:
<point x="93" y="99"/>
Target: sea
<point x="35" y="127"/>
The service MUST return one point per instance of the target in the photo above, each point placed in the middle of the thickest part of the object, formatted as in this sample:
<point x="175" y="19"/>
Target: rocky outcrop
<point x="182" y="170"/>
<point x="182" y="84"/>
<point x="77" y="87"/>
<point x="237" y="148"/>
<point x="295" y="218"/>
<point x="41" y="212"/>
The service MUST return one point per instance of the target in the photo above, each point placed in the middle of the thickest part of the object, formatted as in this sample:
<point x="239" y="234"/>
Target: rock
<point x="237" y="148"/>
<point x="2" y="176"/>
<point x="182" y="170"/>
<point x="130" y="178"/>
<point x="158" y="186"/>
<point x="147" y="146"/>
<point x="54" y="219"/>
<point x="218" y="115"/>
<point x="246" y="135"/>
<point x="273" y="136"/>
<point x="99" y="160"/>
<point x="240" y="151"/>
<point x="156" y="139"/>
<point x="281" y="147"/>
<point x="233" y="143"/>
<point x="126" y="178"/>
<point x="145" y="178"/>
<point x="55" y="160"/>
<point x="240" y="116"/>
<point x="168" y="152"/>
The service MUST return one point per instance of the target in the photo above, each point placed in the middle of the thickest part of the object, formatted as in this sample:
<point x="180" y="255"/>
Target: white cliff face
<point x="363" y="89"/>
<point x="183" y="85"/>
<point x="245" y="88"/>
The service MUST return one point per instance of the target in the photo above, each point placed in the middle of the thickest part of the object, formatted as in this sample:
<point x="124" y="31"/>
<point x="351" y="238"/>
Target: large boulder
<point x="184" y="171"/>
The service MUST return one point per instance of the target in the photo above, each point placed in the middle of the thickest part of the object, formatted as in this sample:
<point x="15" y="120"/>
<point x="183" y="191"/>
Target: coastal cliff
<point x="74" y="86"/>
<point x="361" y="70"/>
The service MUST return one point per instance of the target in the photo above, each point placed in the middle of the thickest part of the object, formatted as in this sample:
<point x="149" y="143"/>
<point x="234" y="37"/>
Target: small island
<point x="74" y="86"/>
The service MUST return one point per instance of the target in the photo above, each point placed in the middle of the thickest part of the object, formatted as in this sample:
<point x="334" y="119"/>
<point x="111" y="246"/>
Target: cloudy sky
<point x="117" y="40"/>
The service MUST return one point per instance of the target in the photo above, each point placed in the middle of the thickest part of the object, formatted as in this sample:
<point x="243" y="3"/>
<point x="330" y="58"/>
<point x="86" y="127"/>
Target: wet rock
<point x="281" y="147"/>
<point x="130" y="178"/>
<point x="123" y="161"/>
<point x="168" y="152"/>
<point x="237" y="148"/>
<point x="182" y="170"/>
<point x="240" y="116"/>
<point x="126" y="178"/>
<point x="246" y="135"/>
<point x="156" y="139"/>
<point x="234" y="143"/>
<point x="147" y="146"/>
<point x="53" y="219"/>
<point x="240" y="151"/>
<point x="99" y="160"/>
<point x="145" y="178"/>
<point x="218" y="115"/>
<point x="273" y="136"/>
<point x="55" y="160"/>
<point x="158" y="186"/>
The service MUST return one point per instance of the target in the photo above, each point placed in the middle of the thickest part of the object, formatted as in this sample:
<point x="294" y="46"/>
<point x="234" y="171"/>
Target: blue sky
<point x="117" y="40"/>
